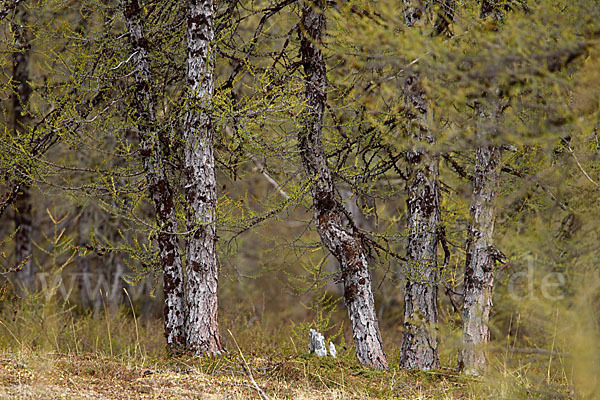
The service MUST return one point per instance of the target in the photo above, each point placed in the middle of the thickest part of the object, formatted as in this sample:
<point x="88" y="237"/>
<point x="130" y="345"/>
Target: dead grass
<point x="47" y="352"/>
<point x="51" y="376"/>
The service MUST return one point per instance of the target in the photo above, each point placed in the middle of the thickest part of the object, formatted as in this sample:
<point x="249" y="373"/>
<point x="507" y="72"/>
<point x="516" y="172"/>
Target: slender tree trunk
<point x="202" y="329"/>
<point x="337" y="231"/>
<point x="353" y="204"/>
<point x="480" y="261"/>
<point x="84" y="224"/>
<point x="20" y="98"/>
<point x="158" y="184"/>
<point x="23" y="245"/>
<point x="481" y="254"/>
<point x="419" y="341"/>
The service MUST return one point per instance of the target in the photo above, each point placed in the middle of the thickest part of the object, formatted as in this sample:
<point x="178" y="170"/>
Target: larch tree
<point x="481" y="254"/>
<point x="202" y="328"/>
<point x="419" y="340"/>
<point x="419" y="348"/>
<point x="335" y="226"/>
<point x="158" y="183"/>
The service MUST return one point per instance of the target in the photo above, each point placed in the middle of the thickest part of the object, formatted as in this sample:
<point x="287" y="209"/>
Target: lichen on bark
<point x="156" y="177"/>
<point x="202" y="329"/>
<point x="338" y="232"/>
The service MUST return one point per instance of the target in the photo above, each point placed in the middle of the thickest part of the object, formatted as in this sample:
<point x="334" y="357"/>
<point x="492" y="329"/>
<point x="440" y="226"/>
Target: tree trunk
<point x="20" y="97"/>
<point x="84" y="224"/>
<point x="419" y="341"/>
<point x="353" y="204"/>
<point x="481" y="254"/>
<point x="337" y="231"/>
<point x="202" y="330"/>
<point x="491" y="8"/>
<point x="480" y="260"/>
<point x="158" y="184"/>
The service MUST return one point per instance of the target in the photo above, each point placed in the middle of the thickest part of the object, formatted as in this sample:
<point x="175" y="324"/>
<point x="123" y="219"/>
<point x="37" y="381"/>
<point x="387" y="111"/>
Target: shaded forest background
<point x="75" y="151"/>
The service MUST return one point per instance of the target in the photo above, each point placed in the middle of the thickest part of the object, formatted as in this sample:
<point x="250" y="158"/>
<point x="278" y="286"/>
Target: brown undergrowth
<point x="49" y="351"/>
<point x="31" y="375"/>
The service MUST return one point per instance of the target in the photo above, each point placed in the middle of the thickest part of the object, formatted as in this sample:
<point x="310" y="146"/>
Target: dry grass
<point x="35" y="376"/>
<point x="49" y="352"/>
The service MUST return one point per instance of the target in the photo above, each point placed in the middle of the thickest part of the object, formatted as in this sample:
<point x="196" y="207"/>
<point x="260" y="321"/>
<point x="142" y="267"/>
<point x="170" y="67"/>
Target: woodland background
<point x="80" y="226"/>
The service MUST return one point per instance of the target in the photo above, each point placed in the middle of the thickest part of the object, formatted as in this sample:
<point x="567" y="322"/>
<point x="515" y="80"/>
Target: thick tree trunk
<point x="20" y="97"/>
<point x="480" y="261"/>
<point x="353" y="204"/>
<point x="337" y="231"/>
<point x="419" y="341"/>
<point x="158" y="184"/>
<point x="202" y="329"/>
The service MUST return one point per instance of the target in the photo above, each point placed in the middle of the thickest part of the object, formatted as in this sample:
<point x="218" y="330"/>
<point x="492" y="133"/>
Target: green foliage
<point x="80" y="154"/>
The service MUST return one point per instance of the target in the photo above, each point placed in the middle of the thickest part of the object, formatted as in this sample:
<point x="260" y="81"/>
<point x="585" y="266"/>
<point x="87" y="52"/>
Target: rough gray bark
<point x="419" y="341"/>
<point x="158" y="184"/>
<point x="491" y="8"/>
<point x="20" y="97"/>
<point x="481" y="254"/>
<point x="202" y="329"/>
<point x="336" y="229"/>
<point x="480" y="260"/>
<point x="353" y="204"/>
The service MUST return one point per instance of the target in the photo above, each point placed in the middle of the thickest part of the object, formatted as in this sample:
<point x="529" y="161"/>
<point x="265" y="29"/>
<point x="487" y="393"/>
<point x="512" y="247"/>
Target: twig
<point x="246" y="369"/>
<point x="534" y="351"/>
<point x="442" y="239"/>
<point x="272" y="181"/>
<point x="579" y="164"/>
<point x="12" y="334"/>
<point x="457" y="167"/>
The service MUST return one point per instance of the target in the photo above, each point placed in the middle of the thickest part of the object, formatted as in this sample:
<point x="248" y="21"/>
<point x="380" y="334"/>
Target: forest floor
<point x="48" y="352"/>
<point x="64" y="376"/>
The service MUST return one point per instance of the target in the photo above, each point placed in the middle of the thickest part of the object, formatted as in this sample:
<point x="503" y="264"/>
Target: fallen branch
<point x="246" y="369"/>
<point x="579" y="164"/>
